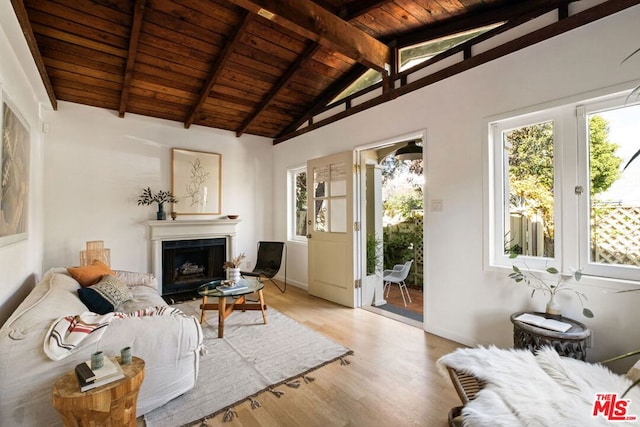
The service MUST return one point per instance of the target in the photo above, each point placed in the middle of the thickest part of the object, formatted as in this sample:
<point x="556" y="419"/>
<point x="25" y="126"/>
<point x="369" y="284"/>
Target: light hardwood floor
<point x="391" y="380"/>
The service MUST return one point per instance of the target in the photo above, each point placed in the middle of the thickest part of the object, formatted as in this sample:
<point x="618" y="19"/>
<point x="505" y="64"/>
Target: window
<point x="610" y="200"/>
<point x="565" y="192"/>
<point x="298" y="204"/>
<point x="413" y="55"/>
<point x="526" y="187"/>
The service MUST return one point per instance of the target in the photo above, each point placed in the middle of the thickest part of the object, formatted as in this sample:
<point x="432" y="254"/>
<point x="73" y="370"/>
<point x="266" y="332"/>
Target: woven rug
<point x="252" y="358"/>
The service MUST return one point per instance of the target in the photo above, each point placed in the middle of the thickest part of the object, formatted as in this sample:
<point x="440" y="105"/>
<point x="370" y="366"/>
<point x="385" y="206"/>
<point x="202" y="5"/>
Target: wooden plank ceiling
<point x="248" y="66"/>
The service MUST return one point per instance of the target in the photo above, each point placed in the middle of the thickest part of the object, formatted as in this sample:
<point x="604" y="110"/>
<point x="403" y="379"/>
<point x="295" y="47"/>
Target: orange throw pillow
<point x="90" y="274"/>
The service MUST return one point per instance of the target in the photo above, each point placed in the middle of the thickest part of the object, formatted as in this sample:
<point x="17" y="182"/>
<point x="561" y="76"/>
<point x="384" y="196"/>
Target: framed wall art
<point x="14" y="174"/>
<point x="196" y="182"/>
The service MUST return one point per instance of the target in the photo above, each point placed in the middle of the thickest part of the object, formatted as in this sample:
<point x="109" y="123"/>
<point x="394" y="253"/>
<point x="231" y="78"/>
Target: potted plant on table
<point x="148" y="197"/>
<point x="552" y="285"/>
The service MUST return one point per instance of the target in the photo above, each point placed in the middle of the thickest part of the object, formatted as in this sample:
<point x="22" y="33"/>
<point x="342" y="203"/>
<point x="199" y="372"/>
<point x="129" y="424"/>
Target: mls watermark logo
<point x="612" y="408"/>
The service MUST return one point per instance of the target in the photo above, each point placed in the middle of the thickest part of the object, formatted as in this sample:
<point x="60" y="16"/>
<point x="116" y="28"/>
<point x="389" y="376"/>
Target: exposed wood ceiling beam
<point x="136" y="25"/>
<point x="318" y="24"/>
<point x="567" y="24"/>
<point x="218" y="66"/>
<point x="353" y="10"/>
<point x="27" y="30"/>
<point x="282" y="83"/>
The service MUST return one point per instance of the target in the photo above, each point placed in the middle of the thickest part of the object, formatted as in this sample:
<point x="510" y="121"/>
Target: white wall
<point x="97" y="165"/>
<point x="20" y="262"/>
<point x="463" y="301"/>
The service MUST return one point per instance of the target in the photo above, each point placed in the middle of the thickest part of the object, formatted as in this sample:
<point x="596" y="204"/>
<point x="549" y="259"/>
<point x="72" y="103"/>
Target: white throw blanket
<point x="67" y="333"/>
<point x="542" y="390"/>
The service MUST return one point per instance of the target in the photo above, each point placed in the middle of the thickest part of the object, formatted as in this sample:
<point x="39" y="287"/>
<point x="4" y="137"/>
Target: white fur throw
<point x="541" y="390"/>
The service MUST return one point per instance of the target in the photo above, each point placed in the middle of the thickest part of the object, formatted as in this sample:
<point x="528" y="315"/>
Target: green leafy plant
<point x="373" y="245"/>
<point x="148" y="197"/>
<point x="548" y="286"/>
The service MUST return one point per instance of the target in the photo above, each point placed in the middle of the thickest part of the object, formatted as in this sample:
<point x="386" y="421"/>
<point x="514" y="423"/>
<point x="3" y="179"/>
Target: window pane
<point x="614" y="190"/>
<point x="338" y="180"/>
<point x="321" y="216"/>
<point x="413" y="55"/>
<point x="529" y="201"/>
<point x="301" y="204"/>
<point x="338" y="216"/>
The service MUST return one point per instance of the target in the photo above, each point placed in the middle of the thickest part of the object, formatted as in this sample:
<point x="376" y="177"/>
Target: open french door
<point x="330" y="204"/>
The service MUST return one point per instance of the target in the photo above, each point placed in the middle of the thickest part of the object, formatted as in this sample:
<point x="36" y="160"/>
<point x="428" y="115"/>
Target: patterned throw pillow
<point x="106" y="295"/>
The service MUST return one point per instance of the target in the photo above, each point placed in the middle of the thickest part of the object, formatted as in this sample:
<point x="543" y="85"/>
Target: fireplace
<point x="188" y="253"/>
<point x="187" y="264"/>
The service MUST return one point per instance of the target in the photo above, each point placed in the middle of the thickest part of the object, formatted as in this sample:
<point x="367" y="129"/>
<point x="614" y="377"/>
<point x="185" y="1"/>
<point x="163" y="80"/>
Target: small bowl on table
<point x="233" y="216"/>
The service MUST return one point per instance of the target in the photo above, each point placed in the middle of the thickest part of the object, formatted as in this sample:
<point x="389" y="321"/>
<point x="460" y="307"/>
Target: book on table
<point x="89" y="379"/>
<point x="542" y="322"/>
<point x="226" y="289"/>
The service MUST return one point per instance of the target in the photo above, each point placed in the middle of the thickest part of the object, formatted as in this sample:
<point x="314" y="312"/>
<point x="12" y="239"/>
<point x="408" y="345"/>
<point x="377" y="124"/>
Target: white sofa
<point x="169" y="345"/>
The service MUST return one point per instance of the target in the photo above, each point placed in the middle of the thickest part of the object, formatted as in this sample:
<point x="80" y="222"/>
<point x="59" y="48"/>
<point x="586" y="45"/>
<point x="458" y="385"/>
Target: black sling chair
<point x="269" y="262"/>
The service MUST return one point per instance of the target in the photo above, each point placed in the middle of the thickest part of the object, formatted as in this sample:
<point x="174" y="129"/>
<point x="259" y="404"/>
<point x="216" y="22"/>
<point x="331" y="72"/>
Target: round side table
<point x="112" y="404"/>
<point x="572" y="343"/>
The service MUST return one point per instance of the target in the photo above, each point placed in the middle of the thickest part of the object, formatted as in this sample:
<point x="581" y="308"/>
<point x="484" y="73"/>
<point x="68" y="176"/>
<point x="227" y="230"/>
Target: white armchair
<point x="398" y="275"/>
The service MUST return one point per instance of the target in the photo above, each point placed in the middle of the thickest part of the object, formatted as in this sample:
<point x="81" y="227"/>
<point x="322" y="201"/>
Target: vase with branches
<point x="233" y="267"/>
<point x="148" y="197"/>
<point x="551" y="284"/>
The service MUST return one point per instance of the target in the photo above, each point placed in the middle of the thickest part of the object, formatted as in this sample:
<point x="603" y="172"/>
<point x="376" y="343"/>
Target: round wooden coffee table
<point x="227" y="302"/>
<point x="112" y="404"/>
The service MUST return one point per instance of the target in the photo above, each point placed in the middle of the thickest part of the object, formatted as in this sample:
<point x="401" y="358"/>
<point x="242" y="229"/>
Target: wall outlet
<point x="436" y="205"/>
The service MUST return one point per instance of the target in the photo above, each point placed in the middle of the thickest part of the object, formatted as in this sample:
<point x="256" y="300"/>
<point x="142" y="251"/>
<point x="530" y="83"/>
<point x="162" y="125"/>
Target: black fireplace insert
<point x="187" y="264"/>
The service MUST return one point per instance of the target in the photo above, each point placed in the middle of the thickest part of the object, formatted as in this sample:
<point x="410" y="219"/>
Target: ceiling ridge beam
<point x="282" y="82"/>
<point x="134" y="38"/>
<point x="315" y="23"/>
<point x="218" y="66"/>
<point x="572" y="22"/>
<point x="27" y="31"/>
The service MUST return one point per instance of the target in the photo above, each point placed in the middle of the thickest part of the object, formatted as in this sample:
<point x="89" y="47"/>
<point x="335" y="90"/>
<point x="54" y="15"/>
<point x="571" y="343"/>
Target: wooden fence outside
<point x="616" y="234"/>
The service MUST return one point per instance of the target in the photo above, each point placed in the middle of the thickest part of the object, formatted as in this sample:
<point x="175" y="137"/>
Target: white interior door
<point x="330" y="228"/>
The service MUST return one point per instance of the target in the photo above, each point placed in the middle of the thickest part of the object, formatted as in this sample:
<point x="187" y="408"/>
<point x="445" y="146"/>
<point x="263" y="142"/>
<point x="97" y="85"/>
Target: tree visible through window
<point x="529" y="226"/>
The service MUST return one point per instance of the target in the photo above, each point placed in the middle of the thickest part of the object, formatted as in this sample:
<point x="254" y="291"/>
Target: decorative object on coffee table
<point x="161" y="197"/>
<point x="196" y="180"/>
<point x="572" y="343"/>
<point x="112" y="404"/>
<point x="233" y="267"/>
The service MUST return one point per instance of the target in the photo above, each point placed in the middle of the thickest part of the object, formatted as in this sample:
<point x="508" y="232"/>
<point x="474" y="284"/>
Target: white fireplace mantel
<point x="189" y="229"/>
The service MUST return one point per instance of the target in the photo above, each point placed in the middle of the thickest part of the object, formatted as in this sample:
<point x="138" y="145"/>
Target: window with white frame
<point x="298" y="203"/>
<point x="561" y="194"/>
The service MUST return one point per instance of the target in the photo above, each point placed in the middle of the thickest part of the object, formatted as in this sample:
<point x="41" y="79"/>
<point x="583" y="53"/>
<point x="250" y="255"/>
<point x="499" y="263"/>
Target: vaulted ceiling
<point x="262" y="67"/>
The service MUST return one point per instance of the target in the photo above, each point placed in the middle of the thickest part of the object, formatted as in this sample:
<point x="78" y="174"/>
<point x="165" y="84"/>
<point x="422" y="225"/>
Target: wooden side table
<point x="572" y="343"/>
<point x="112" y="404"/>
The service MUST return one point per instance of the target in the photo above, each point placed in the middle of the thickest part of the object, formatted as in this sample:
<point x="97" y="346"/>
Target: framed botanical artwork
<point x="14" y="174"/>
<point x="196" y="181"/>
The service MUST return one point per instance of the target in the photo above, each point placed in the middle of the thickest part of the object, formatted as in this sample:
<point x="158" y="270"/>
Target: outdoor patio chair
<point x="269" y="262"/>
<point x="398" y="275"/>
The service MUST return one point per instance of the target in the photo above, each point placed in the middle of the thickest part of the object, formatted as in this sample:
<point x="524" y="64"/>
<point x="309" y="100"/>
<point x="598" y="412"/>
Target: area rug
<point x="252" y="358"/>
<point x="401" y="311"/>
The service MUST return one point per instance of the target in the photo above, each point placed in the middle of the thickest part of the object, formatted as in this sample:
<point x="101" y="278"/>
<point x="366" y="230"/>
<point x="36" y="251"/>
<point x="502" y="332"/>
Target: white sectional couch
<point x="170" y="346"/>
